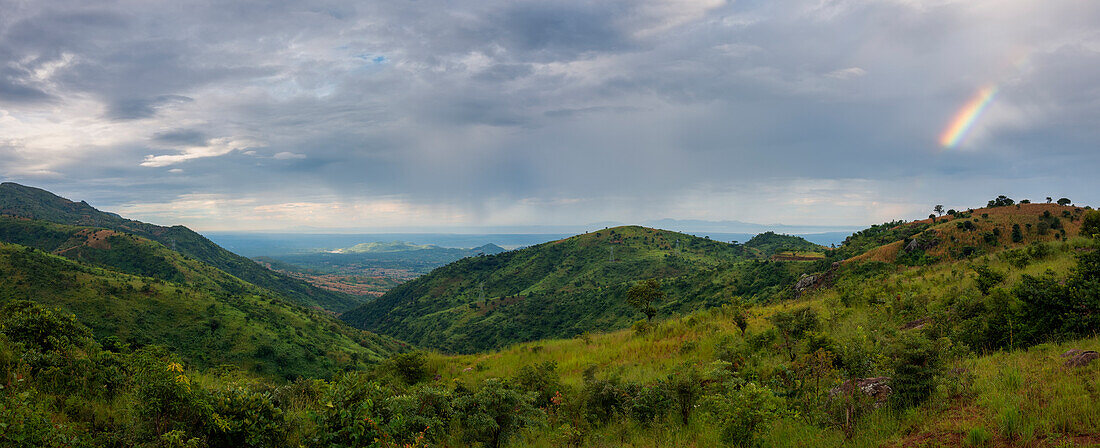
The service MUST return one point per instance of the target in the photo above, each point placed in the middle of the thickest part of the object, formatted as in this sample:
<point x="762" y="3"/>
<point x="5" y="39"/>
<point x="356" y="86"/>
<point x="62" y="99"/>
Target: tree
<point x="938" y="209"/>
<point x="642" y="296"/>
<point x="1049" y="199"/>
<point x="741" y="320"/>
<point x="1000" y="201"/>
<point x="793" y="325"/>
<point x="1017" y="235"/>
<point x="1064" y="202"/>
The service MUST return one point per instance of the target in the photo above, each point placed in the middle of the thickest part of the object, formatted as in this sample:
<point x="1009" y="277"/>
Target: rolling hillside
<point x="207" y="317"/>
<point x="996" y="347"/>
<point x="965" y="234"/>
<point x="566" y="287"/>
<point x="33" y="203"/>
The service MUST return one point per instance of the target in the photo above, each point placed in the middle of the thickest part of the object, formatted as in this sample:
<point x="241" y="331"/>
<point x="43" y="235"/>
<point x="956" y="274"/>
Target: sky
<point x="437" y="115"/>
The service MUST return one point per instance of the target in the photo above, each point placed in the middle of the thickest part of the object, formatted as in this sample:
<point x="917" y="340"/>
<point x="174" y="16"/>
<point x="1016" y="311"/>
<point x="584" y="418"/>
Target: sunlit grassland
<point x="1021" y="397"/>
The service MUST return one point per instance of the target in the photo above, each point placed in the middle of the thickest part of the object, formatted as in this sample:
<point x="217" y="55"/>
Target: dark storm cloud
<point x="568" y="110"/>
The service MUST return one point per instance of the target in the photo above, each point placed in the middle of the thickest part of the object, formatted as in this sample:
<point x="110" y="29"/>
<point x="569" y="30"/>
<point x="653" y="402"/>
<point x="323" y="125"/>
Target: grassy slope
<point x="1054" y="403"/>
<point x="993" y="221"/>
<point x="34" y="203"/>
<point x="209" y="318"/>
<point x="561" y="288"/>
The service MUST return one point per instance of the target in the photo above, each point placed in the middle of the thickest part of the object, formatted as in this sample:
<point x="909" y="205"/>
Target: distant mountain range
<point x="401" y="246"/>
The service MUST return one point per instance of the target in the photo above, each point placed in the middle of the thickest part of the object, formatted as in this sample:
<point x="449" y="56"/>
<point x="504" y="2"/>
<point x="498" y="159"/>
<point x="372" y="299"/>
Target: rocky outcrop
<point x="916" y="324"/>
<point x="805" y="282"/>
<point x="1079" y="358"/>
<point x="877" y="388"/>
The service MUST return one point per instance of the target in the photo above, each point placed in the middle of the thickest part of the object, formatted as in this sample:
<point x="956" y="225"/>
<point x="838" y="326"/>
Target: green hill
<point x="770" y="243"/>
<point x="563" y="288"/>
<point x="33" y="203"/>
<point x="204" y="315"/>
<point x="990" y="348"/>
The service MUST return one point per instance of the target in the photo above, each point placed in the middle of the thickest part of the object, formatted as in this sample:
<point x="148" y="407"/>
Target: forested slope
<point x="33" y="203"/>
<point x="567" y="287"/>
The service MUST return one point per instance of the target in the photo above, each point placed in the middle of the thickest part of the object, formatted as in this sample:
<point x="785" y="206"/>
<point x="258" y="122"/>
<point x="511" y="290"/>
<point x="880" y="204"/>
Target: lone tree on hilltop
<point x="642" y="296"/>
<point x="938" y="209"/>
<point x="1000" y="201"/>
<point x="1049" y="199"/>
<point x="1064" y="201"/>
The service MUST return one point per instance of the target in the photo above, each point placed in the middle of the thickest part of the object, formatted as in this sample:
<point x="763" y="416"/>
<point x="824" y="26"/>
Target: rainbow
<point x="966" y="116"/>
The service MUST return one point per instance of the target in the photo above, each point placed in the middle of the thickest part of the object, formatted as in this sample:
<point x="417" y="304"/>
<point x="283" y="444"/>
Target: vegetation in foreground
<point x="988" y="350"/>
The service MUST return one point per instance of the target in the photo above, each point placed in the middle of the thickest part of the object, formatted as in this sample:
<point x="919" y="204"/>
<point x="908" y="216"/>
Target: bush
<point x="650" y="402"/>
<point x="541" y="379"/>
<point x="916" y="361"/>
<point x="793" y="325"/>
<point x="348" y="414"/>
<point x="744" y="413"/>
<point x="1090" y="223"/>
<point x="411" y="367"/>
<point x="246" y="418"/>
<point x="986" y="278"/>
<point x="495" y="413"/>
<point x="42" y="329"/>
<point x="423" y="414"/>
<point x="603" y="399"/>
<point x="163" y="395"/>
<point x="685" y="385"/>
<point x="1017" y="235"/>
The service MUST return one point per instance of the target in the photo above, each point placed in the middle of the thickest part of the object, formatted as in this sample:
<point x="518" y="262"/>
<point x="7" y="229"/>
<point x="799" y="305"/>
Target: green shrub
<point x="603" y="398"/>
<point x="163" y="394"/>
<point x="348" y="415"/>
<point x="245" y="417"/>
<point x="542" y="379"/>
<point x="1090" y="223"/>
<point x="744" y="413"/>
<point x="916" y="361"/>
<point x="42" y="329"/>
<point x="423" y="414"/>
<point x="685" y="385"/>
<point x="410" y="367"/>
<point x="650" y="402"/>
<point x="495" y="413"/>
<point x="986" y="278"/>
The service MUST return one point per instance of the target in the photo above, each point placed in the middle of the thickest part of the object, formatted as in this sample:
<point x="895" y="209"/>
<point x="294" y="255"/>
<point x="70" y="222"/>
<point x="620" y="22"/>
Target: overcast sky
<point x="245" y="115"/>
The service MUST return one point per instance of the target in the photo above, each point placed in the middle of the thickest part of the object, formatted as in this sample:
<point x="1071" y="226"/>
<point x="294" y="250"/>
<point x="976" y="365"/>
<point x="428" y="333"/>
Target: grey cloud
<point x="612" y="102"/>
<point x="132" y="109"/>
<point x="13" y="92"/>
<point x="192" y="137"/>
